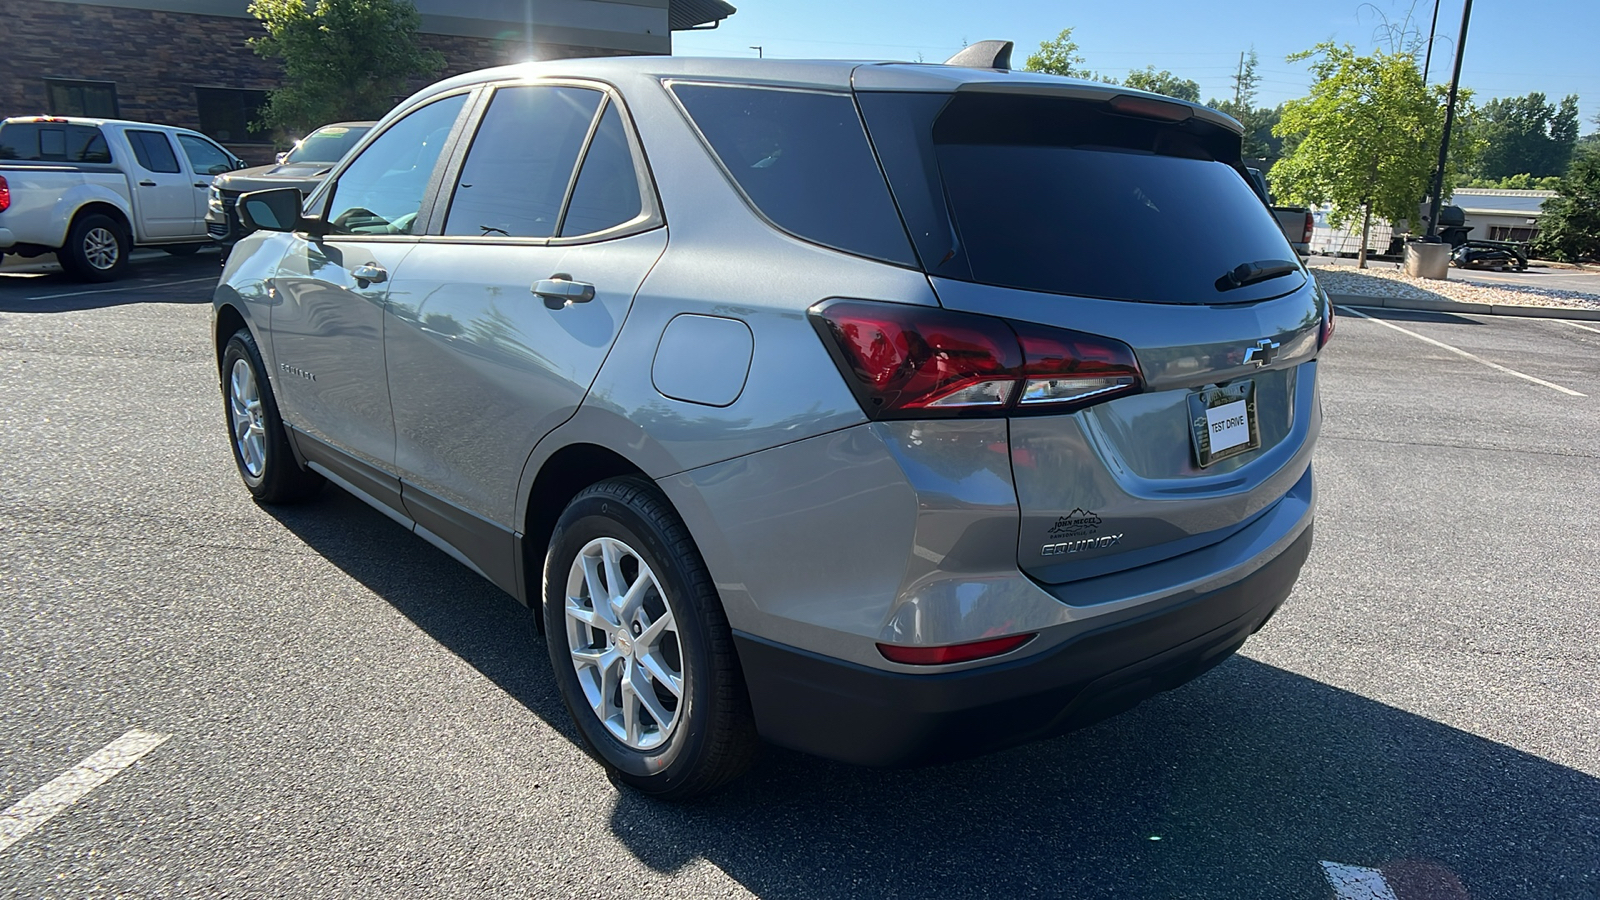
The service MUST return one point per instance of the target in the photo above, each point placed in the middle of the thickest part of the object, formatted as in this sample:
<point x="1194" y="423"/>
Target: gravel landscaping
<point x="1385" y="279"/>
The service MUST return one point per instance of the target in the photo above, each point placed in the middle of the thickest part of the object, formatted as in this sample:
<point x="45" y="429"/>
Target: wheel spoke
<point x="610" y="677"/>
<point x="599" y="600"/>
<point x="631" y="601"/>
<point x="651" y="636"/>
<point x="611" y="551"/>
<point x="589" y="617"/>
<point x="630" y="709"/>
<point x="660" y="674"/>
<point x="650" y="702"/>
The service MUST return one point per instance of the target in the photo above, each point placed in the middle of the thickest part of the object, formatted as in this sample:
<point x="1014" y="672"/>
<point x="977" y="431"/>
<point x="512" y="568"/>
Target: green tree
<point x="1570" y="229"/>
<point x="1519" y="182"/>
<point x="1368" y="137"/>
<point x="1526" y="135"/>
<point x="342" y="59"/>
<point x="1058" y="56"/>
<point x="1257" y="121"/>
<point x="1163" y="82"/>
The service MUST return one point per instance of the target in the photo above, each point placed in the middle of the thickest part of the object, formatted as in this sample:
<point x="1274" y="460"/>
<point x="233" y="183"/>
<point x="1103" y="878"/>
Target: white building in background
<point x="1493" y="215"/>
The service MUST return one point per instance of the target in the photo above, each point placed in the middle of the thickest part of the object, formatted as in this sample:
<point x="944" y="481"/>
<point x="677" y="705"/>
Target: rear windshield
<point x="53" y="142"/>
<point x="802" y="159"/>
<point x="327" y="144"/>
<point x="1068" y="197"/>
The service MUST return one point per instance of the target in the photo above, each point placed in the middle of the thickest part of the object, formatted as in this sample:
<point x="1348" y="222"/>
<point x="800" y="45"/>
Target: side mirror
<point x="274" y="210"/>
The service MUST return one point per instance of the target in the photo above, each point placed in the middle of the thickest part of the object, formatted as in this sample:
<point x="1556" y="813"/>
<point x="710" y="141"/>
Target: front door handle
<point x="559" y="291"/>
<point x="147" y="183"/>
<point x="201" y="184"/>
<point x="370" y="273"/>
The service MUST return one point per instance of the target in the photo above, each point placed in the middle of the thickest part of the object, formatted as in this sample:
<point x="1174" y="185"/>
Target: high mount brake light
<point x="1150" y="108"/>
<point x="918" y="362"/>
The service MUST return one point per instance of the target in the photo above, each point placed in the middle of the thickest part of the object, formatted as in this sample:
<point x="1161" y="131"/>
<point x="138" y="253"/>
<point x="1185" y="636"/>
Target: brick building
<point x="185" y="63"/>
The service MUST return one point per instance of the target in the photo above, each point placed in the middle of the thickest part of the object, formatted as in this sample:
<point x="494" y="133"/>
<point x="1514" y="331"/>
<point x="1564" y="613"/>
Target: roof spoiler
<point x="984" y="55"/>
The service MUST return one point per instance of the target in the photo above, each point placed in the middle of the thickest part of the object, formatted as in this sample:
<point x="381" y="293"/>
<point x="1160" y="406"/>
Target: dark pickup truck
<point x="1295" y="221"/>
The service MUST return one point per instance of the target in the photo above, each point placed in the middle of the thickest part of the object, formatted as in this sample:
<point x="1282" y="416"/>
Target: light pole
<point x="760" y="53"/>
<point x="1449" y="119"/>
<point x="1428" y="59"/>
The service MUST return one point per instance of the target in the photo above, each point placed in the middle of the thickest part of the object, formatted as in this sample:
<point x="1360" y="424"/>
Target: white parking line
<point x="1576" y="325"/>
<point x="38" y="807"/>
<point x="126" y="287"/>
<point x="1459" y="352"/>
<point x="1356" y="882"/>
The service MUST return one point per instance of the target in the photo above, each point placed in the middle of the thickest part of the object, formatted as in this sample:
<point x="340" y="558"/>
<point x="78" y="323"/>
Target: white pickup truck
<point x="90" y="190"/>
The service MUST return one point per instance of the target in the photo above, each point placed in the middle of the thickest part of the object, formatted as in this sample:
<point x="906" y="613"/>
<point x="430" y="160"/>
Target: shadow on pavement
<point x="1411" y="315"/>
<point x="148" y="281"/>
<point x="1237" y="785"/>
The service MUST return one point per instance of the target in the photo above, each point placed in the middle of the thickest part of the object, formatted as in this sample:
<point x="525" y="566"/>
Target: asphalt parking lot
<point x="347" y="712"/>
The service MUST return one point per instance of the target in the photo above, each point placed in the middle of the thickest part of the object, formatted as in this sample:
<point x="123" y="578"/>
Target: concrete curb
<point x="1472" y="309"/>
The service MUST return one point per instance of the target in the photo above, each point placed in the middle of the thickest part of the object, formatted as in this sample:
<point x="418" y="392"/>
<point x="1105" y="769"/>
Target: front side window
<point x="516" y="173"/>
<point x="205" y="157"/>
<point x="802" y="159"/>
<point x="153" y="151"/>
<point x="381" y="191"/>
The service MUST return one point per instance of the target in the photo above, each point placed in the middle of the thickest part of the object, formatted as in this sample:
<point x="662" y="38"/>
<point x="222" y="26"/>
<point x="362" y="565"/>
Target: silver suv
<point x="893" y="413"/>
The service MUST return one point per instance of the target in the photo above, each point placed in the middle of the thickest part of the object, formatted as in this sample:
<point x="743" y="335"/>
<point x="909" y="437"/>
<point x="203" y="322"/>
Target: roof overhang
<point x="693" y="15"/>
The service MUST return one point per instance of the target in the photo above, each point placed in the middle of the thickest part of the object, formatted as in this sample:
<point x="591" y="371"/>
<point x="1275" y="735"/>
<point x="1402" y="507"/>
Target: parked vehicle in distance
<point x="90" y="190"/>
<point x="856" y="458"/>
<point x="1296" y="222"/>
<point x="302" y="167"/>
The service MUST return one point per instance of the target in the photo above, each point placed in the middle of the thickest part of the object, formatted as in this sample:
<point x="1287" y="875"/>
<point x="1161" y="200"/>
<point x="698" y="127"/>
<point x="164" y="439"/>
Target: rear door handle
<point x="147" y="183"/>
<point x="371" y="272"/>
<point x="559" y="290"/>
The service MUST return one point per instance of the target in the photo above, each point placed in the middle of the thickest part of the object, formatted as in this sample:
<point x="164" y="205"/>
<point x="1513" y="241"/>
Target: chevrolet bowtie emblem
<point x="1264" y="352"/>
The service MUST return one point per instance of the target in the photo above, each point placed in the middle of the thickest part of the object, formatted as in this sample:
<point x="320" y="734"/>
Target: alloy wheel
<point x="100" y="248"/>
<point x="249" y="429"/>
<point x="624" y="643"/>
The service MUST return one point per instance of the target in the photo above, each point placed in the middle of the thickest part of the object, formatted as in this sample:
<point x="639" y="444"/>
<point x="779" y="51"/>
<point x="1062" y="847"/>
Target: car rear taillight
<point x="1311" y="224"/>
<point x="1326" y="331"/>
<point x="912" y="362"/>
<point x="5" y="194"/>
<point x="952" y="653"/>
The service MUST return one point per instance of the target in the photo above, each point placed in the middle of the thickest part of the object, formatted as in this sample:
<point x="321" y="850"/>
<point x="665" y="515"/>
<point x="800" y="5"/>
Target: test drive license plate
<point x="1224" y="421"/>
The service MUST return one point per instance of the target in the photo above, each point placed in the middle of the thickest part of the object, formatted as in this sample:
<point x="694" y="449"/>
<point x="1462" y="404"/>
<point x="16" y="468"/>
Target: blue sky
<point x="1512" y="48"/>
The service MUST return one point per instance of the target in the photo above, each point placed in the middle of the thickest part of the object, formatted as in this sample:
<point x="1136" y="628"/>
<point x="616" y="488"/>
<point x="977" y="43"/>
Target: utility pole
<point x="1426" y="60"/>
<point x="761" y="53"/>
<point x="1238" y="81"/>
<point x="1449" y="119"/>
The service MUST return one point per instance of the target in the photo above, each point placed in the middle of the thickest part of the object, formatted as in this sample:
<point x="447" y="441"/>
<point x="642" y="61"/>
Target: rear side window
<point x="802" y="159"/>
<point x="53" y="142"/>
<point x="521" y="161"/>
<point x="607" y="191"/>
<point x="1067" y="196"/>
<point x="153" y="151"/>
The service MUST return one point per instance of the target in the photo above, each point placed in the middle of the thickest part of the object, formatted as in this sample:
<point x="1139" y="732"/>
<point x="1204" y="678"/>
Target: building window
<point x="233" y="116"/>
<point x="92" y="99"/>
<point x="1510" y="233"/>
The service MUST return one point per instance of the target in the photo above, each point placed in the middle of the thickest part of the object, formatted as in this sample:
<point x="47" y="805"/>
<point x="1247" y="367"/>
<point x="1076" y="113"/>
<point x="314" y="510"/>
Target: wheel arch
<point x="225" y="324"/>
<point x="562" y="476"/>
<point x="104" y="208"/>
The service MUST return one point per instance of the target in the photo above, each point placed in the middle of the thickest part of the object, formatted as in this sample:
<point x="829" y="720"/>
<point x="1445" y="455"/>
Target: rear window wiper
<point x="1253" y="272"/>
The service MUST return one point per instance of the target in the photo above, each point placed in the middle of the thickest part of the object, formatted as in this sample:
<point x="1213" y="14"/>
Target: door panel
<point x="327" y="339"/>
<point x="480" y="368"/>
<point x="206" y="161"/>
<point x="163" y="193"/>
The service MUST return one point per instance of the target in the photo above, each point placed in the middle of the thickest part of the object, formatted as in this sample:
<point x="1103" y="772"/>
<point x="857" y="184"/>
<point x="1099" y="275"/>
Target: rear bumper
<point x="867" y="716"/>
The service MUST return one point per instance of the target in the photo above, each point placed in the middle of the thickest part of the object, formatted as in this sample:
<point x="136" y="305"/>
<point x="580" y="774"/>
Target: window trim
<point x="650" y="217"/>
<point x="317" y="202"/>
<point x="668" y="83"/>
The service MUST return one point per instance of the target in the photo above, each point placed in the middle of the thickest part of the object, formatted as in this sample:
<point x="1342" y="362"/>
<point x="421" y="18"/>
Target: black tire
<point x="273" y="475"/>
<point x="712" y="739"/>
<point x="182" y="249"/>
<point x="97" y="248"/>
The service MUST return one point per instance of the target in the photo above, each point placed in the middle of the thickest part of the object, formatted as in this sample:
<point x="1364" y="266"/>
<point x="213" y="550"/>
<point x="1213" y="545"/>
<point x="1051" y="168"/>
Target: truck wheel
<point x="97" y="248"/>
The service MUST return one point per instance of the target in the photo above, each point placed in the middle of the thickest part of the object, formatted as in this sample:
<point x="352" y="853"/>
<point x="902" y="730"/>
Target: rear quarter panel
<point x="44" y="199"/>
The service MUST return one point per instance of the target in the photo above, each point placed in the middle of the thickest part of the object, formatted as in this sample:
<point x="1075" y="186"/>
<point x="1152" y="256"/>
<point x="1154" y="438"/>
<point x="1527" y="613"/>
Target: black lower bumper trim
<point x="873" y="717"/>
